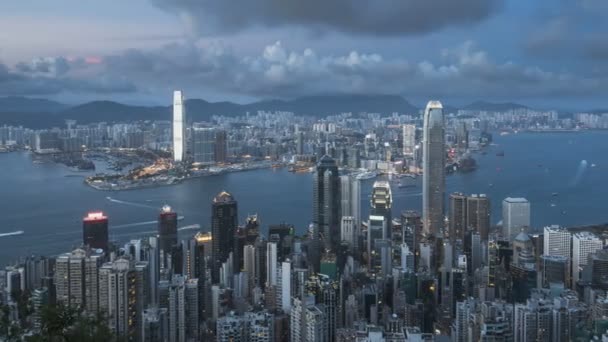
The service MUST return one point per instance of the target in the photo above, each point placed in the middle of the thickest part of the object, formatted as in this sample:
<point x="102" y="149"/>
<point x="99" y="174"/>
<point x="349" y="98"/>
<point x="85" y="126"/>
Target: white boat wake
<point x="113" y="200"/>
<point x="17" y="232"/>
<point x="137" y="224"/>
<point x="190" y="227"/>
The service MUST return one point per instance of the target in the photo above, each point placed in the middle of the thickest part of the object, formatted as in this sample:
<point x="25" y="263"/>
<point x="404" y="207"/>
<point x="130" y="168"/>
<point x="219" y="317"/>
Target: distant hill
<point x="114" y="112"/>
<point x="29" y="105"/>
<point x="495" y="107"/>
<point x="199" y="110"/>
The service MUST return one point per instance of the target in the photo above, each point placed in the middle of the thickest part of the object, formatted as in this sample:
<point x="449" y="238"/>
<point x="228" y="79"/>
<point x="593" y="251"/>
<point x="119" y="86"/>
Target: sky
<point x="544" y="53"/>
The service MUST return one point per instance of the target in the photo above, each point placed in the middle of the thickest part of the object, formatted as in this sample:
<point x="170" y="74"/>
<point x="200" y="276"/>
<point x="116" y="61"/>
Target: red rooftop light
<point x="95" y="215"/>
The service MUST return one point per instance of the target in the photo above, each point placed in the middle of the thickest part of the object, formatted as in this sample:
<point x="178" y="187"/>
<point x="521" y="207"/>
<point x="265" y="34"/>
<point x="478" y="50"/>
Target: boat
<point x="406" y="186"/>
<point x="593" y="165"/>
<point x="367" y="175"/>
<point x="500" y="153"/>
<point x="553" y="204"/>
<point x="554" y="194"/>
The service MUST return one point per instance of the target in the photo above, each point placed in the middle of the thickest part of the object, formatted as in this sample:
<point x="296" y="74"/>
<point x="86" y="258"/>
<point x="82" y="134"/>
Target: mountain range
<point x="42" y="113"/>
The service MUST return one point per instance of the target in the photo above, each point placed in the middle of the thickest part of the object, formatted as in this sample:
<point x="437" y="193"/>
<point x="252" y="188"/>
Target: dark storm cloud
<point x="575" y="31"/>
<point x="49" y="77"/>
<point x="378" y="17"/>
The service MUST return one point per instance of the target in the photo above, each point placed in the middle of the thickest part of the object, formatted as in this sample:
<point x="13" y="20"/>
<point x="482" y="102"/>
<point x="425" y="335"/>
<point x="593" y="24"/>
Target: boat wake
<point x="17" y="232"/>
<point x="134" y="204"/>
<point x="407" y="194"/>
<point x="190" y="227"/>
<point x="137" y="224"/>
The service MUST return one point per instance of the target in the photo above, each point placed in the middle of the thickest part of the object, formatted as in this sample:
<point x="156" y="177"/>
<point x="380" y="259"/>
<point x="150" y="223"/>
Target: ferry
<point x="367" y="175"/>
<point x="406" y="186"/>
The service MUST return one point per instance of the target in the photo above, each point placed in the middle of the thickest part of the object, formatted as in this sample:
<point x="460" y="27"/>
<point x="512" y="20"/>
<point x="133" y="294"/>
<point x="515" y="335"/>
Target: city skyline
<point x="312" y="199"/>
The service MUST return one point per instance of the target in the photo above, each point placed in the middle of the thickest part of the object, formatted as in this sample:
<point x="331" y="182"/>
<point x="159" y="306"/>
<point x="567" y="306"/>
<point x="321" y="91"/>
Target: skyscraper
<point x="462" y="136"/>
<point x="95" y="230"/>
<point x="409" y="140"/>
<point x="179" y="126"/>
<point x="583" y="244"/>
<point x="327" y="202"/>
<point x="554" y="269"/>
<point x="381" y="204"/>
<point x="271" y="264"/>
<point x="118" y="297"/>
<point x="350" y="188"/>
<point x="224" y="221"/>
<point x="557" y="241"/>
<point x="167" y="229"/>
<point x="76" y="279"/>
<point x="478" y="215"/>
<point x="220" y="146"/>
<point x="203" y="145"/>
<point x="458" y="216"/>
<point x="348" y="232"/>
<point x="433" y="164"/>
<point x="515" y="216"/>
<point x="181" y="300"/>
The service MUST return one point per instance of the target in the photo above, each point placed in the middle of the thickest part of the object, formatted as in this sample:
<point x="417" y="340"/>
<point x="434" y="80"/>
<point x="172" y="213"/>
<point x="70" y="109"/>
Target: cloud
<point x="462" y="71"/>
<point x="57" y="75"/>
<point x="575" y="31"/>
<point x="50" y="66"/>
<point x="379" y="17"/>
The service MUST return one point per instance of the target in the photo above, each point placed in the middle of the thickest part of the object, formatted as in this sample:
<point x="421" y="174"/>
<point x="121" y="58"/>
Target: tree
<point x="62" y="323"/>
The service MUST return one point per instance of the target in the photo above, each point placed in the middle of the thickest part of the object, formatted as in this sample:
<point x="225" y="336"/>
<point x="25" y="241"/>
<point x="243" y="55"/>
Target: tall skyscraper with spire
<point x="433" y="164"/>
<point x="179" y="126"/>
<point x="327" y="201"/>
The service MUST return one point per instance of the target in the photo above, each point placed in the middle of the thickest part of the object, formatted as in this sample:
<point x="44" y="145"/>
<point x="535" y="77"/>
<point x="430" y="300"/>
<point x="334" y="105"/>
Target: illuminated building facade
<point x="179" y="126"/>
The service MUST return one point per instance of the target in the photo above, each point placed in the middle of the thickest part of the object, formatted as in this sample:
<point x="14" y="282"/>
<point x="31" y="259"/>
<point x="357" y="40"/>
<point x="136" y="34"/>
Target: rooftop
<point x="516" y="200"/>
<point x="95" y="216"/>
<point x="223" y="197"/>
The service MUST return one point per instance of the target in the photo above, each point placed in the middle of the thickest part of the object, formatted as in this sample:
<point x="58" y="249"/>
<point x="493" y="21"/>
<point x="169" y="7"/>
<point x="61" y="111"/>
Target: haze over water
<point x="40" y="200"/>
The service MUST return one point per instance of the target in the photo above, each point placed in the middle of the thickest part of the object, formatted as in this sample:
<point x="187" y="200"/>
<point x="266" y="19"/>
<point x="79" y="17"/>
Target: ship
<point x="367" y="175"/>
<point x="406" y="186"/>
